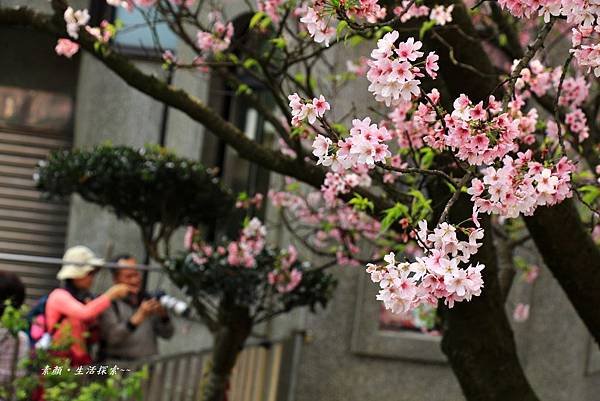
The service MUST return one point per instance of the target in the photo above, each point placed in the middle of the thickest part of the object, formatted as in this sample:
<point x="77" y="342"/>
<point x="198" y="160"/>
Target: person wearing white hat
<point x="73" y="309"/>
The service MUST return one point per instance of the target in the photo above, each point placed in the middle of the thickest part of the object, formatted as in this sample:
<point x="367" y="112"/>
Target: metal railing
<point x="257" y="375"/>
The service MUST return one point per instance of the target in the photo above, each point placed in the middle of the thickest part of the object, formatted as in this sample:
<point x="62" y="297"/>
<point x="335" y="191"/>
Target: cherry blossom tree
<point x="485" y="119"/>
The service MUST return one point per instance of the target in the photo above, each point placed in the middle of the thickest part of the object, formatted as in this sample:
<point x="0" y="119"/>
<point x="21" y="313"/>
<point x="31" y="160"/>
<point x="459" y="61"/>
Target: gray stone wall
<point x="109" y="110"/>
<point x="553" y="345"/>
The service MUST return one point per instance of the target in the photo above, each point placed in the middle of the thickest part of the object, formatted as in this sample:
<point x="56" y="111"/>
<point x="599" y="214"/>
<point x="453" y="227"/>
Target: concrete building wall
<point x="553" y="345"/>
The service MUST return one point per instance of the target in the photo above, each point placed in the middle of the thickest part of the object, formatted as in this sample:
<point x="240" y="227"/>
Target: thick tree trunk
<point x="477" y="337"/>
<point x="571" y="254"/>
<point x="479" y="342"/>
<point x="229" y="340"/>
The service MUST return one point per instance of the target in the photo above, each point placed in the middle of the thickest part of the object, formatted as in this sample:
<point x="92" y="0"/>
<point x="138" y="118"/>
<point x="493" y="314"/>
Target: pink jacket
<point x="76" y="315"/>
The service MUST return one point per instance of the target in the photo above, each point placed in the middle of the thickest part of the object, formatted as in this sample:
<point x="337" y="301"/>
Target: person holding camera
<point x="131" y="326"/>
<point x="71" y="312"/>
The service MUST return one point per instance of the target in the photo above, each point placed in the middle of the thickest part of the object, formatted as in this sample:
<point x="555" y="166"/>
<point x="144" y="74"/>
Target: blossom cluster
<point x="586" y="48"/>
<point x="271" y="8"/>
<point x="368" y="10"/>
<point x="520" y="186"/>
<point x="307" y="110"/>
<point x="336" y="184"/>
<point x="333" y="228"/>
<point x="442" y="273"/>
<point x="393" y="71"/>
<point x="317" y="26"/>
<point x="66" y="47"/>
<point x="317" y="17"/>
<point x="480" y="134"/>
<point x="582" y="15"/>
<point x="413" y="124"/>
<point x="285" y="274"/>
<point x="241" y="253"/>
<point x="74" y="20"/>
<point x="540" y="80"/>
<point x="103" y="33"/>
<point x="577" y="12"/>
<point x="285" y="277"/>
<point x="365" y="146"/>
<point x="440" y="14"/>
<point x="218" y="38"/>
<point x="129" y="4"/>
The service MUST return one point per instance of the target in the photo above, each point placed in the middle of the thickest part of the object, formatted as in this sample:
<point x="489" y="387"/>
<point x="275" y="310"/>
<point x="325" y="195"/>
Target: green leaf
<point x="233" y="58"/>
<point x="279" y="42"/>
<point x="502" y="40"/>
<point x="590" y="193"/>
<point x="342" y="25"/>
<point x="421" y="206"/>
<point x="340" y="128"/>
<point x="264" y="23"/>
<point x="356" y="40"/>
<point x="392" y="214"/>
<point x="382" y="31"/>
<point x="361" y="203"/>
<point x="427" y="156"/>
<point x="256" y="19"/>
<point x="451" y="187"/>
<point x="243" y="196"/>
<point x="119" y="24"/>
<point x="249" y="63"/>
<point x="243" y="89"/>
<point x="427" y="25"/>
<point x="293" y="187"/>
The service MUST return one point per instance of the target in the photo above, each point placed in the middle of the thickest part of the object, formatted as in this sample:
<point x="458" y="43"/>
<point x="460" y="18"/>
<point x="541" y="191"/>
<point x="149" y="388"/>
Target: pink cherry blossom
<point x="317" y="26"/>
<point x="531" y="274"/>
<point x="441" y="15"/>
<point x="218" y="39"/>
<point x="521" y="313"/>
<point x="442" y="273"/>
<point x="66" y="47"/>
<point x="307" y="111"/>
<point x="521" y="185"/>
<point x="271" y="8"/>
<point x="392" y="72"/>
<point x="431" y="64"/>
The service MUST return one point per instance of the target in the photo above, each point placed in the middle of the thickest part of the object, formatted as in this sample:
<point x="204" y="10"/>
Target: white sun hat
<point x="78" y="262"/>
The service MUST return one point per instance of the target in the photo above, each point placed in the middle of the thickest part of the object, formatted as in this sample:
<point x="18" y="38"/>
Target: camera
<point x="172" y="304"/>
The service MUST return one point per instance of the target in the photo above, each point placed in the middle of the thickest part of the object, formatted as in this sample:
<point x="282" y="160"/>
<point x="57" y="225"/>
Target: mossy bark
<point x="572" y="256"/>
<point x="229" y="339"/>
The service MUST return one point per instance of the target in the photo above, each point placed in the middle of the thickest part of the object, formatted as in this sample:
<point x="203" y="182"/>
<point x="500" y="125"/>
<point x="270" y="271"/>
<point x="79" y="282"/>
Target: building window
<point x="22" y="108"/>
<point x="376" y="334"/>
<point x="137" y="34"/>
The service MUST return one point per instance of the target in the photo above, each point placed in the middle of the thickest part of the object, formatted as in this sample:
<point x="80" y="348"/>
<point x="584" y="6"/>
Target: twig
<point x="524" y="62"/>
<point x="454" y="198"/>
<point x="561" y="140"/>
<point x="453" y="59"/>
<point x="414" y="170"/>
